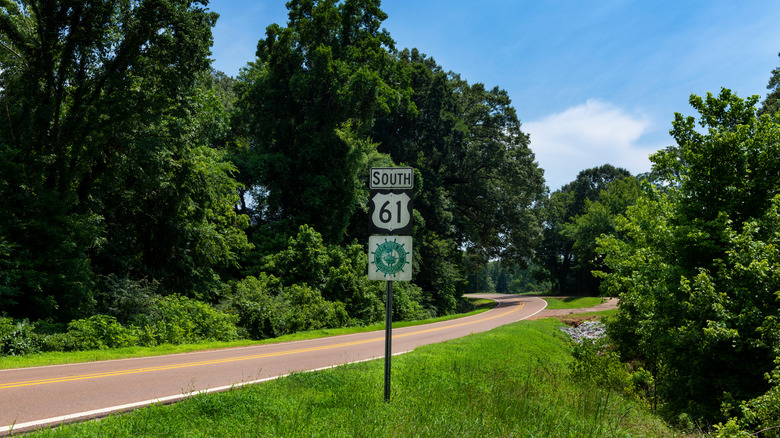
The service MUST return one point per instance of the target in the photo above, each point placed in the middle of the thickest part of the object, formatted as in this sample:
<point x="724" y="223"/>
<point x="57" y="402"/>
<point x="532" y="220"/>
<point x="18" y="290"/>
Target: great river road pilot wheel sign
<point x="390" y="258"/>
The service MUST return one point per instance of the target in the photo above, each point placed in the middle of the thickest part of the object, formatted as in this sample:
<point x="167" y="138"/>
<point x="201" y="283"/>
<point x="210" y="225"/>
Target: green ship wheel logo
<point x="390" y="258"/>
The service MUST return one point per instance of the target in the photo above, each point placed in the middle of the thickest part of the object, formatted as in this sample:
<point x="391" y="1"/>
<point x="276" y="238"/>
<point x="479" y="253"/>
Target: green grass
<point x="511" y="381"/>
<point x="572" y="302"/>
<point x="598" y="315"/>
<point x="58" y="358"/>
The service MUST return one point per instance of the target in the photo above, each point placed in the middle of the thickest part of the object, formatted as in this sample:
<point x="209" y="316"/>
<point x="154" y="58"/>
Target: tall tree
<point x="102" y="168"/>
<point x="598" y="218"/>
<point x="556" y="251"/>
<point x="480" y="183"/>
<point x="772" y="102"/>
<point x="480" y="177"/>
<point x="320" y="75"/>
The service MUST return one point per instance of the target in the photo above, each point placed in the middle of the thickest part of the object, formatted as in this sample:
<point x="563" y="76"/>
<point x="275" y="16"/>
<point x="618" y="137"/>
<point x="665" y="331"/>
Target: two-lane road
<point x="35" y="397"/>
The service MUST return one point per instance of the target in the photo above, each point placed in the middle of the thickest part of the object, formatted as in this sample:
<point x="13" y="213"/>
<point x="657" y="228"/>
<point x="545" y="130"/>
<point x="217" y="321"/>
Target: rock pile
<point x="586" y="330"/>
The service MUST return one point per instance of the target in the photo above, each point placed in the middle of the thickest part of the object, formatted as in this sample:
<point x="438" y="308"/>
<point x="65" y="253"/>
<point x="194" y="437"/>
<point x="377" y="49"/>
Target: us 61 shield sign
<point x="391" y="212"/>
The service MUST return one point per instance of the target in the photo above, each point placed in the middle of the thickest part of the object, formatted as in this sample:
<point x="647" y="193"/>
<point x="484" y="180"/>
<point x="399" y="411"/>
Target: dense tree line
<point x="695" y="262"/>
<point x="566" y="251"/>
<point x="691" y="249"/>
<point x="106" y="165"/>
<point x="131" y="172"/>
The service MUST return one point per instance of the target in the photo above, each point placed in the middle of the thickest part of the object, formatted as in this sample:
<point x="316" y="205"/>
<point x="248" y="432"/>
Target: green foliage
<point x="598" y="219"/>
<point x="313" y="79"/>
<point x="327" y="98"/>
<point x="697" y="266"/>
<point x="440" y="275"/>
<point x="503" y="278"/>
<point x="176" y="319"/>
<point x="106" y="165"/>
<point x="18" y="338"/>
<point x="407" y="302"/>
<point x="771" y="104"/>
<point x="99" y="332"/>
<point x="305" y="309"/>
<point x="756" y="417"/>
<point x="593" y="362"/>
<point x="573" y="217"/>
<point x="253" y="301"/>
<point x="125" y="298"/>
<point x="480" y="182"/>
<point x="337" y="272"/>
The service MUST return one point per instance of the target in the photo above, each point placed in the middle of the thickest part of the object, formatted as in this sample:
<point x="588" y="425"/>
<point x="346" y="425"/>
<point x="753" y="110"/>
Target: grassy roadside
<point x="572" y="302"/>
<point x="511" y="381"/>
<point x="59" y="358"/>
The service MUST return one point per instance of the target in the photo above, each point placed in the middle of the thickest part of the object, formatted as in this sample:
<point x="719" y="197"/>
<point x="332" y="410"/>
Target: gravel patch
<point x="586" y="330"/>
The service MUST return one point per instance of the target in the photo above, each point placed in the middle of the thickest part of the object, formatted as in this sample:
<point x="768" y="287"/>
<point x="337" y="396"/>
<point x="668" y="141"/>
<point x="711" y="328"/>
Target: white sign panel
<point x="390" y="258"/>
<point x="391" y="178"/>
<point x="391" y="212"/>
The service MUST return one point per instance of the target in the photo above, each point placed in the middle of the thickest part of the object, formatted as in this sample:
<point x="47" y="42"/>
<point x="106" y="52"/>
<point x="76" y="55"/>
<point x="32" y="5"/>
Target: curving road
<point x="44" y="396"/>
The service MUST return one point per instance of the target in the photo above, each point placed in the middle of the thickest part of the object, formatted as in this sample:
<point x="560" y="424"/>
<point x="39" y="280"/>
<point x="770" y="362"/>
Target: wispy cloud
<point x="587" y="136"/>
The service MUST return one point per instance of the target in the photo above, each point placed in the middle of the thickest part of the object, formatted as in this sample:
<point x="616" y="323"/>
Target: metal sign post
<point x="390" y="254"/>
<point x="388" y="337"/>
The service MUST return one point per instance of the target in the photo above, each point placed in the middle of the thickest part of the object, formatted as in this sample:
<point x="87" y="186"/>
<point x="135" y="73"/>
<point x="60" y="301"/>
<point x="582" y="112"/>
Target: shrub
<point x="98" y="332"/>
<point x="306" y="309"/>
<point x="760" y="415"/>
<point x="125" y="298"/>
<point x="58" y="342"/>
<point x="18" y="339"/>
<point x="177" y="320"/>
<point x="252" y="301"/>
<point x="406" y="302"/>
<point x="593" y="363"/>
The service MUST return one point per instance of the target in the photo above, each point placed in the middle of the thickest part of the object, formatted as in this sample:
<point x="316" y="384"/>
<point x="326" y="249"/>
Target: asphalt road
<point x="45" y="396"/>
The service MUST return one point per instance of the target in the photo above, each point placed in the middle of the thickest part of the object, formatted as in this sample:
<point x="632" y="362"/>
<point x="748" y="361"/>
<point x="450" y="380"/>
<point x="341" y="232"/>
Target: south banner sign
<point x="391" y="178"/>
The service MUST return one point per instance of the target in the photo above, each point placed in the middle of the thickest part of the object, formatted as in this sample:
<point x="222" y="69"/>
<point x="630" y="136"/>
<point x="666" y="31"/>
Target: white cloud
<point x="587" y="136"/>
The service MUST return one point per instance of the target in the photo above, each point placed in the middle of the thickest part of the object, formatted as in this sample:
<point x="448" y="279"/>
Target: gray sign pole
<point x="388" y="337"/>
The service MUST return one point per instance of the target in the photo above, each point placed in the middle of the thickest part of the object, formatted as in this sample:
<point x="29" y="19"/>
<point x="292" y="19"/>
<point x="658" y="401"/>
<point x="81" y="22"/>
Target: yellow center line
<point x="237" y="359"/>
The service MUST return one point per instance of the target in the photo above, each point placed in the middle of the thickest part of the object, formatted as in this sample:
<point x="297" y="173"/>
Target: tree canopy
<point x="570" y="270"/>
<point x="104" y="170"/>
<point x="328" y="97"/>
<point x="320" y="75"/>
<point x="772" y="102"/>
<point x="696" y="265"/>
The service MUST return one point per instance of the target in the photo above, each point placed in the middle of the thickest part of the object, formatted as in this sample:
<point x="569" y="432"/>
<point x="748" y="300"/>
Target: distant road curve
<point x="44" y="396"/>
<point x="608" y="304"/>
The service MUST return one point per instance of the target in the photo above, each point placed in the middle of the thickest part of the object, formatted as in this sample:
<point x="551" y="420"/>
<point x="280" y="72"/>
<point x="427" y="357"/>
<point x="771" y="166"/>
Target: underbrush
<point x="170" y="320"/>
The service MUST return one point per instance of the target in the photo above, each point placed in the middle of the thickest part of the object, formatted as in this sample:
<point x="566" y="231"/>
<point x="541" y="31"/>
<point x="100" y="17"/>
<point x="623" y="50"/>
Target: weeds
<point x="512" y="381"/>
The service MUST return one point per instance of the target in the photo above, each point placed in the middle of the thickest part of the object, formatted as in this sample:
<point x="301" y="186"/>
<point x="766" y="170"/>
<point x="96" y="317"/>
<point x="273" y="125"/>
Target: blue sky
<point x="592" y="82"/>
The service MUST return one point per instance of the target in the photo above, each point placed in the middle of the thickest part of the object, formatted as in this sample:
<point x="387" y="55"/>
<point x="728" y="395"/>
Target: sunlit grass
<point x="572" y="302"/>
<point x="511" y="381"/>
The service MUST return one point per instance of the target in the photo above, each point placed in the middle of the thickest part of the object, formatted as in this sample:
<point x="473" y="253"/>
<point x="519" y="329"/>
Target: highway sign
<point x="391" y="178"/>
<point x="390" y="258"/>
<point x="390" y="212"/>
